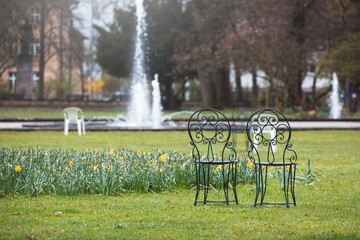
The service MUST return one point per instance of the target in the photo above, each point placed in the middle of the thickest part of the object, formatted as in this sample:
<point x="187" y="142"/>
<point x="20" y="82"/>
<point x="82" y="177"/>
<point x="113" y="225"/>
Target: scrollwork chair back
<point x="210" y="131"/>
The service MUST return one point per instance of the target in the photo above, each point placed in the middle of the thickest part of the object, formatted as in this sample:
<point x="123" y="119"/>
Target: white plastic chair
<point x="73" y="115"/>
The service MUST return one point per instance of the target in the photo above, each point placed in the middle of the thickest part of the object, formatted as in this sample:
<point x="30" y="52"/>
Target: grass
<point x="329" y="209"/>
<point x="145" y="141"/>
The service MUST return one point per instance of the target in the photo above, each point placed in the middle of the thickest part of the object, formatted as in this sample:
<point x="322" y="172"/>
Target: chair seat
<point x="216" y="162"/>
<point x="275" y="163"/>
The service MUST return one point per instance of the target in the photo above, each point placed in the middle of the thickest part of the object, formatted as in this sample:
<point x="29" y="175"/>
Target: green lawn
<point x="329" y="209"/>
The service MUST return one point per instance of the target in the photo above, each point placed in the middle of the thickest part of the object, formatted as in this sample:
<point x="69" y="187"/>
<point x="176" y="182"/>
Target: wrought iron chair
<point x="266" y="129"/>
<point x="210" y="132"/>
<point x="74" y="115"/>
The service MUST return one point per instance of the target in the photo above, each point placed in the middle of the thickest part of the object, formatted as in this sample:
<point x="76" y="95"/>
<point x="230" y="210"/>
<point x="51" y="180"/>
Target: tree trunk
<point x="207" y="89"/>
<point x="313" y="93"/>
<point x="255" y="90"/>
<point x="169" y="94"/>
<point x="61" y="61"/>
<point x="82" y="78"/>
<point x="42" y="50"/>
<point x="239" y="91"/>
<point x="220" y="77"/>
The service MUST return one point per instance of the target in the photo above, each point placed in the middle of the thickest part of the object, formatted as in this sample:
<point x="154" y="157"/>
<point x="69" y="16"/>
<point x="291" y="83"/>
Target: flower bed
<point x="68" y="172"/>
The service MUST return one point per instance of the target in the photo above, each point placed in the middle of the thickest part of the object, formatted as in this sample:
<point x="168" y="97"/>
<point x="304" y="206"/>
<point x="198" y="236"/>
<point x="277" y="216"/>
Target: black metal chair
<point x="269" y="134"/>
<point x="210" y="132"/>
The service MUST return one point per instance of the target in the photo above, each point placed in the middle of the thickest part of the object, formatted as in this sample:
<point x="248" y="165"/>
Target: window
<point x="12" y="80"/>
<point x="34" y="16"/>
<point x="36" y="77"/>
<point x="34" y="48"/>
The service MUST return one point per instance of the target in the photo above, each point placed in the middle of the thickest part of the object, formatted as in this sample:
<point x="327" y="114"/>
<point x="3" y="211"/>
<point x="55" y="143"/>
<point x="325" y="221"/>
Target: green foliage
<point x="56" y="89"/>
<point x="115" y="47"/>
<point x="68" y="172"/>
<point x="344" y="59"/>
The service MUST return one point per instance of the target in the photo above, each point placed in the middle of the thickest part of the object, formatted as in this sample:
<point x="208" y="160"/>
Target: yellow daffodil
<point x="94" y="168"/>
<point x="96" y="151"/>
<point x="111" y="153"/>
<point x="139" y="152"/>
<point x="271" y="167"/>
<point x="249" y="164"/>
<point x="218" y="169"/>
<point x="17" y="169"/>
<point x="46" y="154"/>
<point x="173" y="164"/>
<point x="9" y="165"/>
<point x="120" y="158"/>
<point x="70" y="163"/>
<point x="162" y="158"/>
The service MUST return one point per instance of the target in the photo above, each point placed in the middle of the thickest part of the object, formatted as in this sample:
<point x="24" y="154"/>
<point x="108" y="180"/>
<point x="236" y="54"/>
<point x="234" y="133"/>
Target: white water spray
<point x="335" y="104"/>
<point x="156" y="104"/>
<point x="139" y="109"/>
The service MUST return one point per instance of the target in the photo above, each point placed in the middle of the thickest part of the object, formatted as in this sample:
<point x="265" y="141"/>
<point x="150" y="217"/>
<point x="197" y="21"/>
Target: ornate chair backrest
<point x="210" y="132"/>
<point x="72" y="114"/>
<point x="266" y="129"/>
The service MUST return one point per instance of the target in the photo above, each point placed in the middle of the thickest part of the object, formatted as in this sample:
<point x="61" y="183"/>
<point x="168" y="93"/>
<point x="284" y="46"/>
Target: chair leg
<point x="66" y="127"/>
<point x="233" y="175"/>
<point x="263" y="185"/>
<point x="293" y="186"/>
<point x="257" y="179"/>
<point x="79" y="127"/>
<point x="206" y="182"/>
<point x="197" y="171"/>
<point x="286" y="178"/>
<point x="226" y="183"/>
<point x="83" y="126"/>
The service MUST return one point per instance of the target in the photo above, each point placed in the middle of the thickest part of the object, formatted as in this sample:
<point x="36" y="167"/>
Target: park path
<point x="59" y="125"/>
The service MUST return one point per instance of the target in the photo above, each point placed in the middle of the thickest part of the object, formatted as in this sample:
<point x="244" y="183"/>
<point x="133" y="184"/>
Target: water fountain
<point x="138" y="112"/>
<point x="156" y="104"/>
<point x="335" y="104"/>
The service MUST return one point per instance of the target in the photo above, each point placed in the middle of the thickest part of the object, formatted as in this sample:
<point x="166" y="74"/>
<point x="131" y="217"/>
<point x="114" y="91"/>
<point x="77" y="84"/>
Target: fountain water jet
<point x="156" y="104"/>
<point x="139" y="109"/>
<point x="335" y="104"/>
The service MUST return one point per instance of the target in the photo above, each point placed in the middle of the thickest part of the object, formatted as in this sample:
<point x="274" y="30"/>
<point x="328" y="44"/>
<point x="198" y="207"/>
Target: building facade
<point x="62" y="50"/>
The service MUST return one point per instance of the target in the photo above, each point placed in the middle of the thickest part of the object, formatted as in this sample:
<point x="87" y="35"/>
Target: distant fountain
<point x="156" y="104"/>
<point x="139" y="113"/>
<point x="139" y="108"/>
<point x="335" y="104"/>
